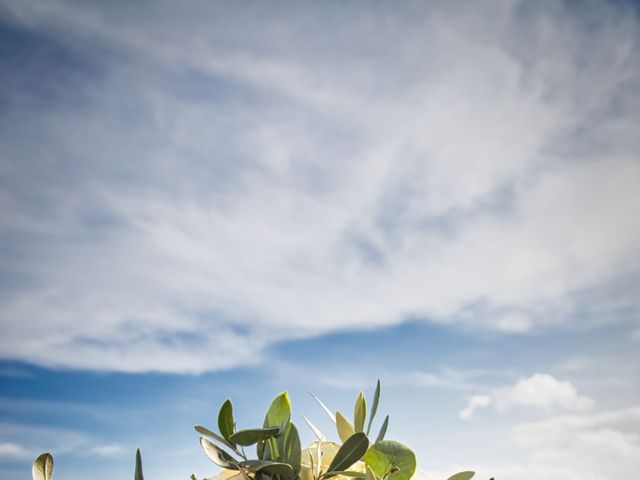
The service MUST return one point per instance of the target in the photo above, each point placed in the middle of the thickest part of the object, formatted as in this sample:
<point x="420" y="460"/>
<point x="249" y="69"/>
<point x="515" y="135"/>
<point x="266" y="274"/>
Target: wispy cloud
<point x="196" y="184"/>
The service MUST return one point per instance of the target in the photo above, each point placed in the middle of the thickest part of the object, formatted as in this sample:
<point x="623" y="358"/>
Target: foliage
<point x="279" y="452"/>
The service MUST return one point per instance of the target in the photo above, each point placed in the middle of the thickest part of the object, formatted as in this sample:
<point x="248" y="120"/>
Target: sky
<point x="230" y="199"/>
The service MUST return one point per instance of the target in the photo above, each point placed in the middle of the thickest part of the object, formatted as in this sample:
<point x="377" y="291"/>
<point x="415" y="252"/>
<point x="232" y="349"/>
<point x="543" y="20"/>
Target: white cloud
<point x="222" y="183"/>
<point x="108" y="450"/>
<point x="540" y="391"/>
<point x="12" y="450"/>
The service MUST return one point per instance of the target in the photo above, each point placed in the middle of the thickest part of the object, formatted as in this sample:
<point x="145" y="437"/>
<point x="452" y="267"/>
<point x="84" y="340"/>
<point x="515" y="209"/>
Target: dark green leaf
<point x="138" y="473"/>
<point x="383" y="429"/>
<point x="42" y="468"/>
<point x="282" y="470"/>
<point x="359" y="413"/>
<point x="279" y="411"/>
<point x="350" y="452"/>
<point x="386" y="455"/>
<point x="462" y="476"/>
<point x="253" y="435"/>
<point x="217" y="455"/>
<point x="225" y="419"/>
<point x="374" y="406"/>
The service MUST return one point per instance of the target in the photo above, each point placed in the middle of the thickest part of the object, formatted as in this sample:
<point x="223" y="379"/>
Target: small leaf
<point x="138" y="473"/>
<point x="217" y="455"/>
<point x="345" y="429"/>
<point x="225" y="419"/>
<point x="359" y="413"/>
<point x="315" y="429"/>
<point x="42" y="468"/>
<point x="324" y="407"/>
<point x="279" y="411"/>
<point x="374" y="406"/>
<point x="462" y="476"/>
<point x="205" y="431"/>
<point x="388" y="455"/>
<point x="369" y="475"/>
<point x="350" y="452"/>
<point x="253" y="435"/>
<point x="383" y="429"/>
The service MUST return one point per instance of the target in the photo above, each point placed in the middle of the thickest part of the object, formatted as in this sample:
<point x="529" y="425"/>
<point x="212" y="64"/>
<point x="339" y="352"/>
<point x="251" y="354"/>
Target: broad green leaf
<point x="291" y="452"/>
<point x="282" y="470"/>
<point x="462" y="476"/>
<point x="138" y="473"/>
<point x="359" y="413"/>
<point x="350" y="452"/>
<point x="205" y="431"/>
<point x="383" y="429"/>
<point x="374" y="406"/>
<point x="253" y="435"/>
<point x="217" y="455"/>
<point x="324" y="407"/>
<point x="369" y="475"/>
<point x="225" y="419"/>
<point x="386" y="454"/>
<point x="345" y="429"/>
<point x="279" y="411"/>
<point x="42" y="468"/>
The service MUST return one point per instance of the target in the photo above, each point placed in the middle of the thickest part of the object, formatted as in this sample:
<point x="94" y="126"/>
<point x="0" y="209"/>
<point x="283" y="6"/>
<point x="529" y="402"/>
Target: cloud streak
<point x="196" y="185"/>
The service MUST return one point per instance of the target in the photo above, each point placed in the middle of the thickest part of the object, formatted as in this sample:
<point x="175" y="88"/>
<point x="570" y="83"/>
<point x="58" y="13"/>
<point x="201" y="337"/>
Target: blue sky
<point x="221" y="200"/>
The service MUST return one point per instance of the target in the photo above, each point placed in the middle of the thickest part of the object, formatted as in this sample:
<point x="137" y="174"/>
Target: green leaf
<point x="345" y="429"/>
<point x="462" y="476"/>
<point x="350" y="452"/>
<point x="369" y="475"/>
<point x="217" y="455"/>
<point x="253" y="435"/>
<point x="205" y="431"/>
<point x="279" y="411"/>
<point x="374" y="406"/>
<point x="386" y="454"/>
<point x="359" y="413"/>
<point x="42" y="468"/>
<point x="383" y="429"/>
<point x="225" y="419"/>
<point x="282" y="470"/>
<point x="138" y="473"/>
<point x="291" y="452"/>
<point x="345" y="473"/>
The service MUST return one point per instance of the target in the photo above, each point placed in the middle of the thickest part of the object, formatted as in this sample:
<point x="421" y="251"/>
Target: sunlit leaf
<point x="345" y="429"/>
<point x="359" y="413"/>
<point x="350" y="452"/>
<point x="42" y="468"/>
<point x="217" y="455"/>
<point x="279" y="411"/>
<point x="383" y="456"/>
<point x="369" y="475"/>
<point x="315" y="429"/>
<point x="462" y="476"/>
<point x="205" y="431"/>
<point x="324" y="407"/>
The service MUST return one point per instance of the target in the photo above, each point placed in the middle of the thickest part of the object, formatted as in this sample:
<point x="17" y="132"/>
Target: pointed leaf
<point x="324" y="407"/>
<point x="217" y="455"/>
<point x="359" y="413"/>
<point x="383" y="429"/>
<point x="350" y="452"/>
<point x="345" y="429"/>
<point x="462" y="476"/>
<point x="374" y="406"/>
<point x="253" y="435"/>
<point x="225" y="419"/>
<point x="138" y="473"/>
<point x="386" y="455"/>
<point x="291" y="448"/>
<point x="315" y="429"/>
<point x="42" y="467"/>
<point x="205" y="431"/>
<point x="279" y="411"/>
